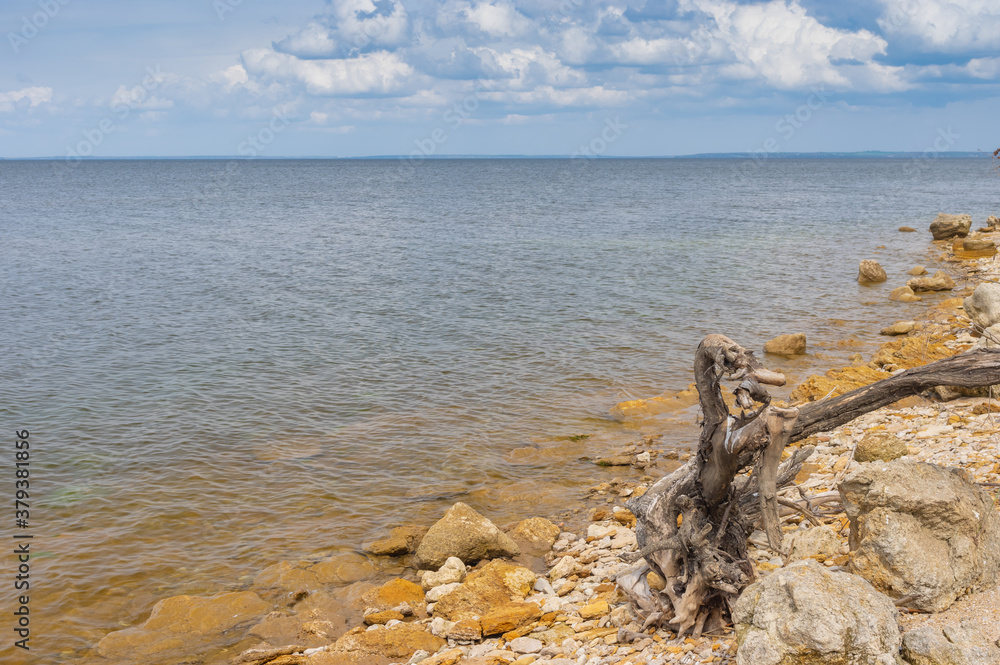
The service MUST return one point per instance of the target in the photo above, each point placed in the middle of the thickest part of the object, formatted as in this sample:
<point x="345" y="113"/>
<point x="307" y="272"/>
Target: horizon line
<point x="757" y="156"/>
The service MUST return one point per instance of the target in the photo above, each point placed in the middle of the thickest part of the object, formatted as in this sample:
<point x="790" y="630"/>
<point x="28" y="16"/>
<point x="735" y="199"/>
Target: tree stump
<point x="692" y="526"/>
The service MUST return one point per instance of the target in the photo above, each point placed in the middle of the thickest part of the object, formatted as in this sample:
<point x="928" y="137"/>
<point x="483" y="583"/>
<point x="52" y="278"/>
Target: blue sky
<point x="541" y="77"/>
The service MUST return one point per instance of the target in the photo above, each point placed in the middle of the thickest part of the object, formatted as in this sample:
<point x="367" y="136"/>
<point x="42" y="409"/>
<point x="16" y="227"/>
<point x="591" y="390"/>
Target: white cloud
<point x="353" y="26"/>
<point x="370" y="73"/>
<point x="313" y="41"/>
<point x="139" y="97"/>
<point x="497" y="19"/>
<point x="233" y="77"/>
<point x="780" y="43"/>
<point x="531" y="67"/>
<point x="641" y="51"/>
<point x="951" y="26"/>
<point x="594" y="96"/>
<point x="984" y="68"/>
<point x="576" y="46"/>
<point x="29" y="97"/>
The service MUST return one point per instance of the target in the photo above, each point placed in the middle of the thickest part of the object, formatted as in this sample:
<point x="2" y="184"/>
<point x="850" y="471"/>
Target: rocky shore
<point x="892" y="555"/>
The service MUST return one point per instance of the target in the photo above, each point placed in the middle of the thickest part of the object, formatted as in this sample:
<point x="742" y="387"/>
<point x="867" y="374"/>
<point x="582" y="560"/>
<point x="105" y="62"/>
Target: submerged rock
<point x="898" y="328"/>
<point x="183" y="625"/>
<point x="948" y="226"/>
<point x="836" y="382"/>
<point x="939" y="281"/>
<point x="907" y="229"/>
<point x="871" y="272"/>
<point x="401" y="540"/>
<point x="911" y="351"/>
<point x="904" y="294"/>
<point x="922" y="531"/>
<point x="787" y="345"/>
<point x="465" y="534"/>
<point x="974" y="248"/>
<point x="804" y="614"/>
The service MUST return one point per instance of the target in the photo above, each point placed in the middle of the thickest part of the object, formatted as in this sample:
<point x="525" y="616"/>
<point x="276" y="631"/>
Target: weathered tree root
<point x="692" y="526"/>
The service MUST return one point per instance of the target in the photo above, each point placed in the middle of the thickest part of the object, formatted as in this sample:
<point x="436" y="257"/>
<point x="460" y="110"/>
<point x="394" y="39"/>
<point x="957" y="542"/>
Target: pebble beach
<point x="544" y="590"/>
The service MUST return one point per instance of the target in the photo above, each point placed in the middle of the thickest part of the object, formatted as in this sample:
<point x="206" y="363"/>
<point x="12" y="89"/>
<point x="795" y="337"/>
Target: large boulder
<point x="183" y="625"/>
<point x="952" y="645"/>
<point x="870" y="272"/>
<point x="804" y="614"/>
<point x="947" y="226"/>
<point x="983" y="306"/>
<point x="939" y="281"/>
<point x="496" y="584"/>
<point x="787" y="345"/>
<point x="465" y="534"/>
<point x="535" y="535"/>
<point x="921" y="531"/>
<point x="819" y="543"/>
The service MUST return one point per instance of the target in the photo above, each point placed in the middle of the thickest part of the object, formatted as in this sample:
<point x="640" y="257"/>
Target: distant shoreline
<point x="871" y="154"/>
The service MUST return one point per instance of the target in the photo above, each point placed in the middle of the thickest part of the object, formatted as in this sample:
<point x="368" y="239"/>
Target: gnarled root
<point x="692" y="526"/>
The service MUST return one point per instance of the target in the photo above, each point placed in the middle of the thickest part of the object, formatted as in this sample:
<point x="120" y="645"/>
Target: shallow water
<point x="227" y="365"/>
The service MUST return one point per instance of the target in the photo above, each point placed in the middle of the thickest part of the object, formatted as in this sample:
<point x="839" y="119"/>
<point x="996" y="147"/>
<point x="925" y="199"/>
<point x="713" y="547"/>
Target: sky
<point x="347" y="78"/>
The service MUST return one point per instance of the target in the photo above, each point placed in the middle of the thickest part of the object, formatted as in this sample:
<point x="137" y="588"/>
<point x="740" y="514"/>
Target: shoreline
<point x="356" y="572"/>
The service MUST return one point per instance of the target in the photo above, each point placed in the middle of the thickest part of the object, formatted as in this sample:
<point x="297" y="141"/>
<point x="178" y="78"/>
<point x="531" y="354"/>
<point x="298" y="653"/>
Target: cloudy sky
<point x="536" y="77"/>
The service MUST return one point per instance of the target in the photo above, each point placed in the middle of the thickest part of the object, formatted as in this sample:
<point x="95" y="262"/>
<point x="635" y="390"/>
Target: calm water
<point x="227" y="365"/>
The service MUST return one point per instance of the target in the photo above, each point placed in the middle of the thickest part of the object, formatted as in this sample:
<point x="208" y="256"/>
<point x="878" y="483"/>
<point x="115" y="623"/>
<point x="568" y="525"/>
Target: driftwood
<point x="693" y="525"/>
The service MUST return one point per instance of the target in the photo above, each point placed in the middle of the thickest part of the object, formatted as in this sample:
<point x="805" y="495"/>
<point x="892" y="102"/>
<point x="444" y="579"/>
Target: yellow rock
<point x="555" y="635"/>
<point x="509" y="617"/>
<point x="182" y="624"/>
<point x="594" y="610"/>
<point x="400" y="641"/>
<point x="672" y="400"/>
<point x="837" y="382"/>
<point x="587" y="635"/>
<point x="466" y="630"/>
<point x="625" y="518"/>
<point x="449" y="657"/>
<point x="393" y="593"/>
<point x="534" y="535"/>
<point x="383" y="617"/>
<point x="912" y="351"/>
<point x="494" y="585"/>
<point x="655" y="581"/>
<point x="401" y="540"/>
